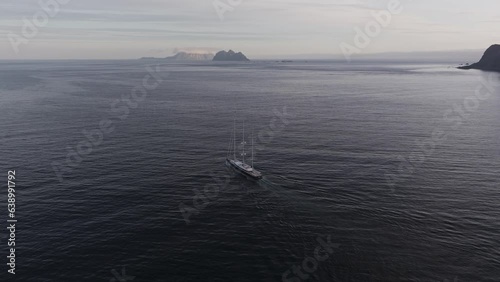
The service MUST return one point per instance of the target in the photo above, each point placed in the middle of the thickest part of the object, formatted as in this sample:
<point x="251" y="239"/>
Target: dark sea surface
<point x="338" y="145"/>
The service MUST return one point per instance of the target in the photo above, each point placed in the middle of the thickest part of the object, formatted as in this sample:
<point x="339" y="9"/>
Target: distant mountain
<point x="489" y="62"/>
<point x="230" y="56"/>
<point x="184" y="56"/>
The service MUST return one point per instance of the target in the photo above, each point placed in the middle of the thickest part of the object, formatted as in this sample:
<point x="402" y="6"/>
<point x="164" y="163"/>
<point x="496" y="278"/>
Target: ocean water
<point x="394" y="167"/>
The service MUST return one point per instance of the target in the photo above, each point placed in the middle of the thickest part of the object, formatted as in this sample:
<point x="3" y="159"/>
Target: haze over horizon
<point x="129" y="29"/>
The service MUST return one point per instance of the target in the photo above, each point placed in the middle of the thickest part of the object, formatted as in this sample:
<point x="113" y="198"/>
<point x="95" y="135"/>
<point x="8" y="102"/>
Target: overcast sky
<point x="116" y="29"/>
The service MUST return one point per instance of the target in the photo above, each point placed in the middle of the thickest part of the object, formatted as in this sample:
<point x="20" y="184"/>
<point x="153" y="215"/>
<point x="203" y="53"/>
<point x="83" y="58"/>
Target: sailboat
<point x="239" y="165"/>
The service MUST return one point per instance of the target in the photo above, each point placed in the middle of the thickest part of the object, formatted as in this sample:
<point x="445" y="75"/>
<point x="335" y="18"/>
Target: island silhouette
<point x="489" y="62"/>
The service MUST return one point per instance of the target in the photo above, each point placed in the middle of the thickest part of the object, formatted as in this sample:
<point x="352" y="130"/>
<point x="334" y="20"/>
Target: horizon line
<point x="312" y="56"/>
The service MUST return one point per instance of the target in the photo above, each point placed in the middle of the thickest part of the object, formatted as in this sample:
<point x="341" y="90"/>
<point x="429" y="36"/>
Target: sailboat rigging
<point x="240" y="165"/>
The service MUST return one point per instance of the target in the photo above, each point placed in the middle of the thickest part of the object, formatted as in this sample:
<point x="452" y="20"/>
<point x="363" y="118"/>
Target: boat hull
<point x="255" y="175"/>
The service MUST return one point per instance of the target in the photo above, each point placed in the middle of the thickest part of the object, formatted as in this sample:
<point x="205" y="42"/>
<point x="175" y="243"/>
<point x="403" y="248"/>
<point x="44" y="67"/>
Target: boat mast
<point x="243" y="143"/>
<point x="229" y="147"/>
<point x="234" y="137"/>
<point x="252" y="147"/>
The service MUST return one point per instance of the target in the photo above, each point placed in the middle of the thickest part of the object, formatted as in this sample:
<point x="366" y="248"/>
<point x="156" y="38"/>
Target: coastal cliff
<point x="489" y="62"/>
